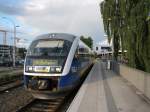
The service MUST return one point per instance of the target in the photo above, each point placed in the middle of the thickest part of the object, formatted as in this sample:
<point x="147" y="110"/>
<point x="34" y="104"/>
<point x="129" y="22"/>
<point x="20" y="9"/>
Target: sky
<point x="35" y="17"/>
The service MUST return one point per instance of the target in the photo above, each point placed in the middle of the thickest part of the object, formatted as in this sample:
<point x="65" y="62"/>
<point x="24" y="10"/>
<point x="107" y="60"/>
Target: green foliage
<point x="128" y="23"/>
<point x="88" y="41"/>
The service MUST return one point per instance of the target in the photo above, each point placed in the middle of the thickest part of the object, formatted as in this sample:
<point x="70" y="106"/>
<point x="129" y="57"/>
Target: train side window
<point x="96" y="48"/>
<point x="77" y="53"/>
<point x="76" y="61"/>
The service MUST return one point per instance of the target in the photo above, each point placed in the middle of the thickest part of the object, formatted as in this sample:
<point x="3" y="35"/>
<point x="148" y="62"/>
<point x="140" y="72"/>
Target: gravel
<point x="12" y="100"/>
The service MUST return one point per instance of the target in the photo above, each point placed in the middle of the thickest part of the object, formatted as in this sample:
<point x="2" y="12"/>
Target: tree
<point x="127" y="22"/>
<point x="88" y="41"/>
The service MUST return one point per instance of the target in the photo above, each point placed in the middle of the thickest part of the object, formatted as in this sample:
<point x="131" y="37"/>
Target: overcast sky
<point x="79" y="17"/>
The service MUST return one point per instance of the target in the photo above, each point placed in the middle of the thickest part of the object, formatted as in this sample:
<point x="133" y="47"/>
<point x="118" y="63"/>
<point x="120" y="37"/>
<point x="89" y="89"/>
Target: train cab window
<point x="49" y="48"/>
<point x="48" y="52"/>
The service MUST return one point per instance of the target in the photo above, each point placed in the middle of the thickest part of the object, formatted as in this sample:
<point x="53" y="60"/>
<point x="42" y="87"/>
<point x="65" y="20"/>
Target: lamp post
<point x="14" y="46"/>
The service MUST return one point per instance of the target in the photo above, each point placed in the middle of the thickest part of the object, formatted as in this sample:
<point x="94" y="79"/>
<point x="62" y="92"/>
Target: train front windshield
<point x="47" y="56"/>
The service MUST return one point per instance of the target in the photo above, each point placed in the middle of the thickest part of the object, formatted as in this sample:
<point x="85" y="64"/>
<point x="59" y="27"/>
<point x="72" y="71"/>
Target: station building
<point x="103" y="49"/>
<point x="6" y="54"/>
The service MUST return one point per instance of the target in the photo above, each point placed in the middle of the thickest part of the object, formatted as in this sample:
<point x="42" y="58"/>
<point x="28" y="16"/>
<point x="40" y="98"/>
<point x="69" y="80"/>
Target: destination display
<point x="44" y="62"/>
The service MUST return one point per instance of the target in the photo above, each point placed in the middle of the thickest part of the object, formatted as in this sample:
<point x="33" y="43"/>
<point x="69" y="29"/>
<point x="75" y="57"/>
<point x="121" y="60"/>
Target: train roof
<point x="64" y="36"/>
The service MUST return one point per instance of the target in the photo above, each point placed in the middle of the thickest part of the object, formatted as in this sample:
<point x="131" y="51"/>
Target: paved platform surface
<point x="105" y="91"/>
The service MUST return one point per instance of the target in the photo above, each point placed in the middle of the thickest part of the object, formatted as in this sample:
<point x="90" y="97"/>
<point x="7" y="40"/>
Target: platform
<point x="105" y="91"/>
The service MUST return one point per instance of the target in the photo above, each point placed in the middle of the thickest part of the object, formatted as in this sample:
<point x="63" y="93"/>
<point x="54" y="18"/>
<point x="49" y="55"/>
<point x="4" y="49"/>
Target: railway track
<point x="10" y="81"/>
<point x="60" y="104"/>
<point x="37" y="105"/>
<point x="10" y="70"/>
<point x="10" y="85"/>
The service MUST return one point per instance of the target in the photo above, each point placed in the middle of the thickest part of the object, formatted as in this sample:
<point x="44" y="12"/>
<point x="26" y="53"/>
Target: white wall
<point x="140" y="79"/>
<point x="100" y="44"/>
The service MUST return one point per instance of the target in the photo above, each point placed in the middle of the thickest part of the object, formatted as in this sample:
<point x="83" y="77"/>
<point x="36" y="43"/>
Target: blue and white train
<point x="54" y="64"/>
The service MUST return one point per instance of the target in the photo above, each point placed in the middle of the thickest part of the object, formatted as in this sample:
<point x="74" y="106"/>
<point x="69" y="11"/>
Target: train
<point x="6" y="58"/>
<point x="54" y="64"/>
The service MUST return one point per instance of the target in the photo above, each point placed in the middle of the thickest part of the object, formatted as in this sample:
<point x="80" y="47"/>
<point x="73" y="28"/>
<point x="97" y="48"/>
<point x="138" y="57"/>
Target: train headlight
<point x="55" y="69"/>
<point x="58" y="69"/>
<point x="29" y="68"/>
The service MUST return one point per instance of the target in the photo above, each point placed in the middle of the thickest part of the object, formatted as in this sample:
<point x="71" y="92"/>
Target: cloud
<point x="80" y="17"/>
<point x="12" y="7"/>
